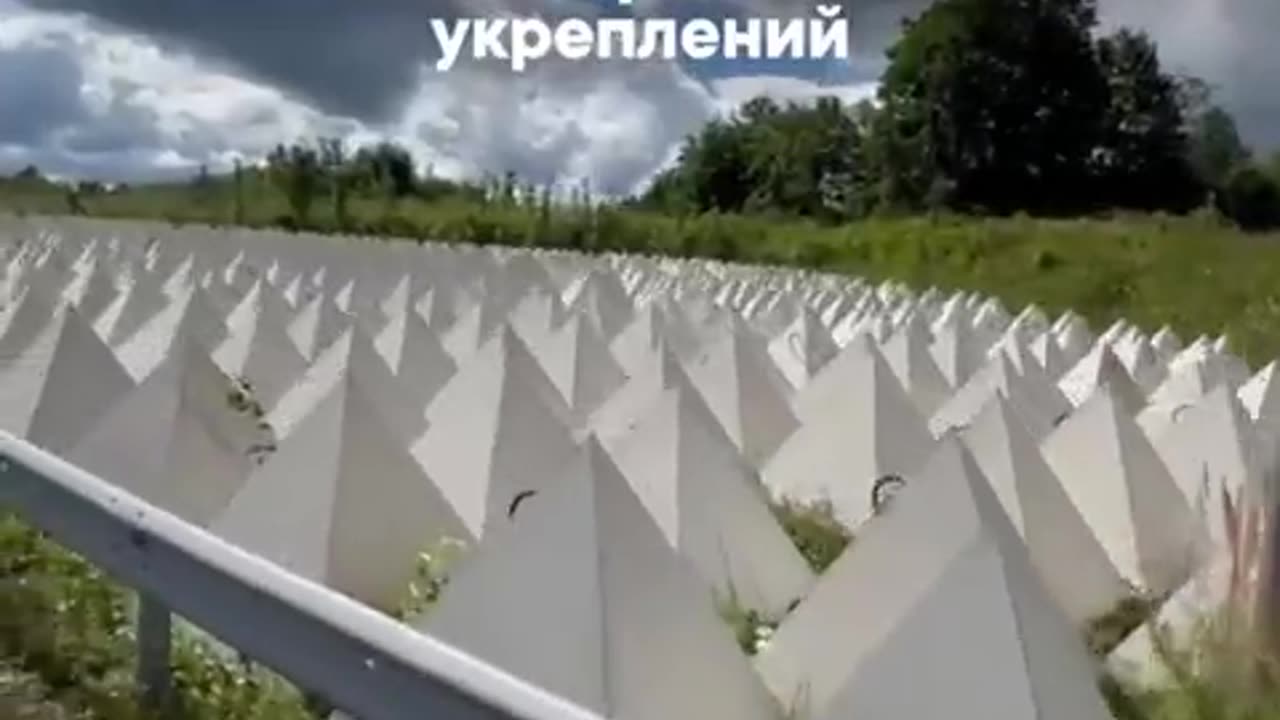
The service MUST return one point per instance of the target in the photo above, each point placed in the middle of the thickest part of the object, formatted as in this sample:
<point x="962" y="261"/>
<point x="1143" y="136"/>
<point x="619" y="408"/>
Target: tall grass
<point x="1194" y="274"/>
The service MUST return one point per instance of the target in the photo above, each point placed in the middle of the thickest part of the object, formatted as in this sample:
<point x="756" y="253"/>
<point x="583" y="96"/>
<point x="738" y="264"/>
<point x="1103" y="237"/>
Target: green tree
<point x="333" y="158"/>
<point x="1251" y="198"/>
<point x="1216" y="148"/>
<point x="797" y="159"/>
<point x="385" y="167"/>
<point x="1143" y="162"/>
<point x="296" y="171"/>
<point x="1001" y="102"/>
<point x="237" y="182"/>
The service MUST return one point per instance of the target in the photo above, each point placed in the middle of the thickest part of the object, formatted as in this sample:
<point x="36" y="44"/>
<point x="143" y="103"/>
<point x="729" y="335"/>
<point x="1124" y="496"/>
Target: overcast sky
<point x="138" y="89"/>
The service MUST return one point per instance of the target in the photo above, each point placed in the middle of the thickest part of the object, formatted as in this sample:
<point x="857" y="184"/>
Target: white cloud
<point x="147" y="110"/>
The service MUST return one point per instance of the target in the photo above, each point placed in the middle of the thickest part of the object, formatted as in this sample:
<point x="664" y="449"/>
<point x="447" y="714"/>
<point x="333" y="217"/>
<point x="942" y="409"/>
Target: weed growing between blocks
<point x="1214" y="673"/>
<point x="67" y="645"/>
<point x="431" y="575"/>
<point x="813" y="528"/>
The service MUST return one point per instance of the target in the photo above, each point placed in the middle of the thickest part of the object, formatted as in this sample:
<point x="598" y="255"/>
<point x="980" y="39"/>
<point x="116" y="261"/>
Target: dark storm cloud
<point x="358" y="58"/>
<point x="40" y="90"/>
<point x="350" y="57"/>
<point x="362" y="58"/>
<point x="1229" y="43"/>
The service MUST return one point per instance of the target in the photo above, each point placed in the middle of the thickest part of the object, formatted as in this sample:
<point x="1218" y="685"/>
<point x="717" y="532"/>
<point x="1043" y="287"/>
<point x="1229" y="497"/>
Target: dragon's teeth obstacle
<point x="605" y="437"/>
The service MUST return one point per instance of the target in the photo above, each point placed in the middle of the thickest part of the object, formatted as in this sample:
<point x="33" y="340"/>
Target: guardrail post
<point x="155" y="639"/>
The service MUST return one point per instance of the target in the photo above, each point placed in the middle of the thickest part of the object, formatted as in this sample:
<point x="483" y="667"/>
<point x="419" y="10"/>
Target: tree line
<point x="986" y="107"/>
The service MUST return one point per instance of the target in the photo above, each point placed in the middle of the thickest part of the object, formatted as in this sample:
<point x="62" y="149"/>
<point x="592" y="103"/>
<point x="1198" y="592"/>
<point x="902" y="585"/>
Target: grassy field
<point x="65" y="643"/>
<point x="1195" y="274"/>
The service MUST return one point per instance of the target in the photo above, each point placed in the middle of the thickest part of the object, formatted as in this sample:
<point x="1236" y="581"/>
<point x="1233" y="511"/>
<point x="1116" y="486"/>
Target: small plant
<point x="1213" y="674"/>
<point x="1105" y="633"/>
<point x="430" y="576"/>
<point x="814" y="529"/>
<point x="752" y="628"/>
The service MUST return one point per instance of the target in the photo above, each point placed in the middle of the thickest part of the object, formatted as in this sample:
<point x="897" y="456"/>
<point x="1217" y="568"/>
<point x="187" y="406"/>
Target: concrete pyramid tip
<point x="1038" y="402"/>
<point x="342" y="502"/>
<point x="624" y="626"/>
<point x="958" y="352"/>
<point x="353" y="353"/>
<point x="1212" y="448"/>
<point x="635" y="344"/>
<point x="1126" y="493"/>
<point x="1144" y="366"/>
<point x="34" y="313"/>
<point x="1189" y="381"/>
<point x="498" y="428"/>
<point x="61" y="384"/>
<point x="537" y="314"/>
<point x="745" y="391"/>
<point x="709" y="503"/>
<point x="1047" y="351"/>
<point x="1074" y="337"/>
<point x="660" y="371"/>
<point x="258" y="347"/>
<point x="1260" y="396"/>
<point x="951" y="578"/>
<point x="1101" y="368"/>
<point x="579" y="363"/>
<point x="1070" y="560"/>
<point x="185" y="439"/>
<point x="93" y="291"/>
<point x="189" y="316"/>
<point x="857" y="426"/>
<point x="415" y="356"/>
<point x="317" y="325"/>
<point x="803" y="348"/>
<point x="907" y="352"/>
<point x="604" y="301"/>
<point x="131" y="309"/>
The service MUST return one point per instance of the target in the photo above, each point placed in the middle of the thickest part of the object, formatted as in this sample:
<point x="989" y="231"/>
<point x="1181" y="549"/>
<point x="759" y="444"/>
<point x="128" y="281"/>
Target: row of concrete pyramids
<point x="606" y="433"/>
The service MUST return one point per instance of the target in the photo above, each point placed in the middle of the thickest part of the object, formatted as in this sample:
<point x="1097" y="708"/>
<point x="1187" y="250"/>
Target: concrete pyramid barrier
<point x="258" y="348"/>
<point x="1038" y="402"/>
<point x="960" y="624"/>
<point x="415" y="356"/>
<point x="1125" y="492"/>
<point x="625" y="627"/>
<point x="353" y="353"/>
<point x="499" y="428"/>
<point x="61" y="384"/>
<point x="907" y="352"/>
<point x="803" y="348"/>
<point x="709" y="503"/>
<point x="857" y="426"/>
<point x="957" y="350"/>
<point x="1101" y="368"/>
<point x="131" y="309"/>
<point x="1071" y="562"/>
<point x="400" y="392"/>
<point x="184" y="440"/>
<point x="745" y="391"/>
<point x="341" y="502"/>
<point x="577" y="360"/>
<point x="316" y="325"/>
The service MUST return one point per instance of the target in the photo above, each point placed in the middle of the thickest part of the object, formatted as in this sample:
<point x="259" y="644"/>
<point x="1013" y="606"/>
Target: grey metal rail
<point x="364" y="663"/>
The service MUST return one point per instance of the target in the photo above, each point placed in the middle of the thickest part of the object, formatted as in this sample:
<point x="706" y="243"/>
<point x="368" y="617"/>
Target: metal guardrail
<point x="364" y="663"/>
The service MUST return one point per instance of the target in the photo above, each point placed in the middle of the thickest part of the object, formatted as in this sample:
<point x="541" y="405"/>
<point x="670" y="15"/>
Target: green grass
<point x="67" y="642"/>
<point x="814" y="530"/>
<point x="1194" y="274"/>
